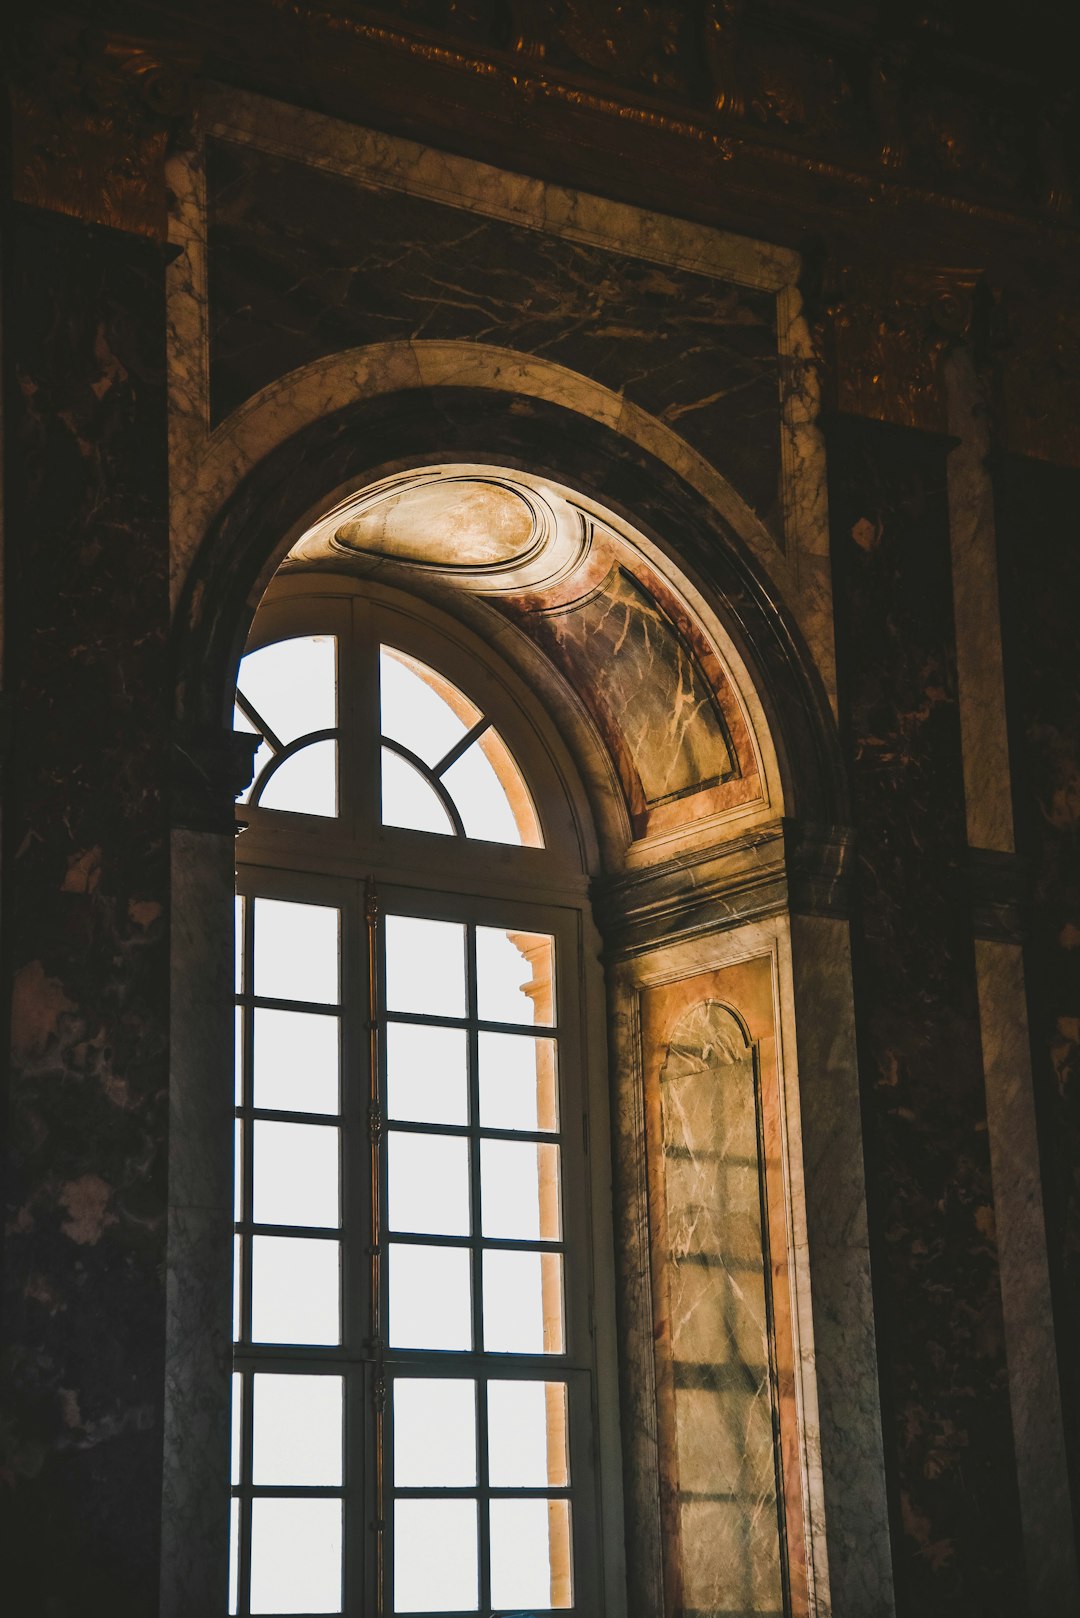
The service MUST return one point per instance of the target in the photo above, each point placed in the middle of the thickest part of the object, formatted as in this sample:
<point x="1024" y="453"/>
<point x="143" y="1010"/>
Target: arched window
<point x="415" y="1424"/>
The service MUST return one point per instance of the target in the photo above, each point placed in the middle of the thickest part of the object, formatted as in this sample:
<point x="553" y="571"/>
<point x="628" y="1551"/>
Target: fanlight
<point x="444" y="767"/>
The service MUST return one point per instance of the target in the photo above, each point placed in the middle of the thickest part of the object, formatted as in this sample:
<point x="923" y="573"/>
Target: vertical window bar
<point x="247" y="1439"/>
<point x="375" y="1136"/>
<point x="472" y="1012"/>
<point x="246" y="1166"/>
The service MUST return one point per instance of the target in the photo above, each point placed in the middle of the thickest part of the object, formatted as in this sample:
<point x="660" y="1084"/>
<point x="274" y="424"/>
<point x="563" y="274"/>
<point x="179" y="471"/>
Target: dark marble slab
<point x="948" y="1436"/>
<point x="85" y="916"/>
<point x="1040" y="591"/>
<point x="303" y="264"/>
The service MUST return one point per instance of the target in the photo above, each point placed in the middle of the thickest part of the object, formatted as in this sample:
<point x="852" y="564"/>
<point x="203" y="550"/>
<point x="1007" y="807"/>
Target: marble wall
<point x="731" y="1467"/>
<point x="304" y="263"/>
<point x="1040" y="575"/>
<point x="85" y="890"/>
<point x="948" y="1439"/>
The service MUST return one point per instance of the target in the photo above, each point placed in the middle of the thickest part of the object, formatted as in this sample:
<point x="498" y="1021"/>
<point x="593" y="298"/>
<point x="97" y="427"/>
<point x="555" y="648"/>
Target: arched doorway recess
<point x="696" y="867"/>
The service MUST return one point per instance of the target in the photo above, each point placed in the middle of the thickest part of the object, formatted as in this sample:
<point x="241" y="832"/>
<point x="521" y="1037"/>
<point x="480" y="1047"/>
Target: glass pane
<point x="238" y="1055"/>
<point x="238" y="941"/>
<point x="295" y="1290"/>
<point x="425" y="966"/>
<point x="430" y="1297"/>
<point x="530" y="1553"/>
<point x="428" y="1184"/>
<point x="479" y="798"/>
<point x="297" y="1061"/>
<point x="306" y="784"/>
<point x="293" y="684"/>
<point x="234" y="1554"/>
<point x="515" y="976"/>
<point x="295" y="1556"/>
<point x="236" y="1295"/>
<point x="512" y="782"/>
<point x="426" y="1076"/>
<point x="237" y="1412"/>
<point x="296" y="1174"/>
<point x="519" y="1189"/>
<point x="434" y="1433"/>
<point x="518" y="1088"/>
<point x="296" y="951"/>
<point x="421" y="710"/>
<point x="238" y="1170"/>
<point x="523" y="1303"/>
<point x="410" y="801"/>
<point x="527" y="1435"/>
<point x="435" y="1556"/>
<point x="297" y="1430"/>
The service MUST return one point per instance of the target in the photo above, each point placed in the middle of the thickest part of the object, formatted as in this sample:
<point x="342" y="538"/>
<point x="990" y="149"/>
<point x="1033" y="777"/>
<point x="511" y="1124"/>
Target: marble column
<point x="1019" y="1220"/>
<point x="937" y="1275"/>
<point x="86" y="883"/>
<point x="854" y="1504"/>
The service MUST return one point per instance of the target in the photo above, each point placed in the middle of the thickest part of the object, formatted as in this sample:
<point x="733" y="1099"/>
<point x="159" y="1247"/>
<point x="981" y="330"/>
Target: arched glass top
<point x="443" y="766"/>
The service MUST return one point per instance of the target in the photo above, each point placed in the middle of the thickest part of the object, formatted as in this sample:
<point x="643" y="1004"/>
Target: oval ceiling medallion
<point x="469" y="523"/>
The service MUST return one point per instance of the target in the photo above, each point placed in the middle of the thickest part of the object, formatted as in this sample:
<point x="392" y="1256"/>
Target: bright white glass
<point x="480" y="799"/>
<point x="428" y="1184"/>
<point x="297" y="1430"/>
<point x="517" y="1082"/>
<point x="523" y="1303"/>
<point x="434" y="1433"/>
<point x="307" y="783"/>
<point x="435" y="1556"/>
<point x="530" y="1539"/>
<point x="238" y="941"/>
<point x="426" y="1076"/>
<point x="430" y="1297"/>
<point x="527" y="1435"/>
<point x="238" y="1170"/>
<point x="296" y="950"/>
<point x="515" y="976"/>
<point x="234" y="1554"/>
<point x="238" y="1055"/>
<point x="295" y="1290"/>
<point x="293" y="684"/>
<point x="296" y="1061"/>
<point x="237" y="1249"/>
<point x="295" y="1555"/>
<point x="425" y="966"/>
<point x="519" y="1190"/>
<point x="414" y="710"/>
<point x="410" y="801"/>
<point x="295" y="1174"/>
<point x="237" y="1412"/>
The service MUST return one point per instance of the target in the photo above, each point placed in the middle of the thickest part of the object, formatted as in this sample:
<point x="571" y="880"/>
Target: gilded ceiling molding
<point x="904" y="108"/>
<point x="91" y="120"/>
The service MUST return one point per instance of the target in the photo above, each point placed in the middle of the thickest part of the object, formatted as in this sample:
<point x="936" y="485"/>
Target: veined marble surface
<point x="783" y="518"/>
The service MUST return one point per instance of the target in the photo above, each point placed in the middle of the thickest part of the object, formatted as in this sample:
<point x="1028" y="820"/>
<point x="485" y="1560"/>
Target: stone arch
<point x="785" y="872"/>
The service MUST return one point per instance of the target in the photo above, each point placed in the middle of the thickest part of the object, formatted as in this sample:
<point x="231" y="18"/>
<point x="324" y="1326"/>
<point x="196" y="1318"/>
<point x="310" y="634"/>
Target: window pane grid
<point x="349" y="1121"/>
<point x="534" y="1368"/>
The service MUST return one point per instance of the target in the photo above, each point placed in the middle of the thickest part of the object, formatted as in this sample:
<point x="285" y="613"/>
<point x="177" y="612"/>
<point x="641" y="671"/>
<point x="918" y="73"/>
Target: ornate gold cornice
<point x="91" y="120"/>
